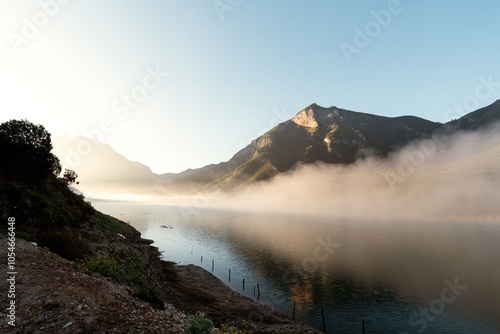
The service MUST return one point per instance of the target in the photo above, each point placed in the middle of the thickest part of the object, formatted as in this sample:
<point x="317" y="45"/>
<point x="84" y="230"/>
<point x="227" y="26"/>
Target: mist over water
<point x="403" y="225"/>
<point x="456" y="176"/>
<point x="449" y="176"/>
<point x="382" y="271"/>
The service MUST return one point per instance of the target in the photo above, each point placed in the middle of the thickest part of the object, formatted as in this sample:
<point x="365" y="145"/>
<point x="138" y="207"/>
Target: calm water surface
<point x="400" y="277"/>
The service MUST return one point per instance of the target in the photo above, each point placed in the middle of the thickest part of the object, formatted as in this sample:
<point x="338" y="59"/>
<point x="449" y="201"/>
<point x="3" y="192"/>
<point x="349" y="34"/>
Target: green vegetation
<point x="48" y="204"/>
<point x="64" y="242"/>
<point x="266" y="171"/>
<point x="126" y="267"/>
<point x="52" y="215"/>
<point x="226" y="329"/>
<point x="135" y="275"/>
<point x="46" y="210"/>
<point x="200" y="324"/>
<point x="30" y="189"/>
<point x="101" y="264"/>
<point x="108" y="223"/>
<point x="69" y="177"/>
<point x="256" y="169"/>
<point x="25" y="149"/>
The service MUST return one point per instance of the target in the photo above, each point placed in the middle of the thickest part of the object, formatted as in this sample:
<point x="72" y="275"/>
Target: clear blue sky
<point x="236" y="72"/>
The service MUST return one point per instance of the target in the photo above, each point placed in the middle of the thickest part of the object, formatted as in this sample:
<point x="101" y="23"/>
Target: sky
<point x="182" y="84"/>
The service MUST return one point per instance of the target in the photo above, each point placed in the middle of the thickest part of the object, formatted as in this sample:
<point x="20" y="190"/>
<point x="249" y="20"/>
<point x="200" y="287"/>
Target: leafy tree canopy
<point x="30" y="189"/>
<point x="25" y="152"/>
<point x="69" y="177"/>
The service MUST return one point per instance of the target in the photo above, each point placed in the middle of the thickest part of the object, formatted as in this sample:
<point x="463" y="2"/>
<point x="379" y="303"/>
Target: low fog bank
<point x="456" y="176"/>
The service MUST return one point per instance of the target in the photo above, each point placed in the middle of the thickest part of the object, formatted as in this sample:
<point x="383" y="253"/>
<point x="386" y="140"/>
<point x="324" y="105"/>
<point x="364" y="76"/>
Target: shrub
<point x="226" y="329"/>
<point x="148" y="294"/>
<point x="200" y="324"/>
<point x="65" y="243"/>
<point x="101" y="264"/>
<point x="127" y="268"/>
<point x="47" y="205"/>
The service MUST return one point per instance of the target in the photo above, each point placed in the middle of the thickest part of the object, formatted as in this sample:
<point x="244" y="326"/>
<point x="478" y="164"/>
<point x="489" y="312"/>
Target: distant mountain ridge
<point x="331" y="135"/>
<point x="101" y="168"/>
<point x="479" y="118"/>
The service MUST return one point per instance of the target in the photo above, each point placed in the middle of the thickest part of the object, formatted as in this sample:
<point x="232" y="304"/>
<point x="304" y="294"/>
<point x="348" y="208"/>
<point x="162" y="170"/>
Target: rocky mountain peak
<point x="314" y="115"/>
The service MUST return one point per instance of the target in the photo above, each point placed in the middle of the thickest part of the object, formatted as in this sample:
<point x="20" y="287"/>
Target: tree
<point x="69" y="177"/>
<point x="25" y="152"/>
<point x="29" y="186"/>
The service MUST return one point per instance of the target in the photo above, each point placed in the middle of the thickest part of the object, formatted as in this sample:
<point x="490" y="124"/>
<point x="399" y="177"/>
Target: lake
<point x="397" y="276"/>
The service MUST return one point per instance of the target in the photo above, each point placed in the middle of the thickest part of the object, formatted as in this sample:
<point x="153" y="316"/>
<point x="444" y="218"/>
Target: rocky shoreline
<point x="55" y="295"/>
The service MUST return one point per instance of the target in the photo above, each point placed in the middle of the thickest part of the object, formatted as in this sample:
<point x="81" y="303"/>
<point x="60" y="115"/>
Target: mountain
<point x="479" y="118"/>
<point x="189" y="171"/>
<point x="101" y="169"/>
<point x="332" y="135"/>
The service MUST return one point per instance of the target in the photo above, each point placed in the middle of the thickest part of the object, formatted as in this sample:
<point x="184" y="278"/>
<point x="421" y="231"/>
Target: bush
<point x="200" y="324"/>
<point x="65" y="243"/>
<point x="127" y="268"/>
<point x="15" y="200"/>
<point x="230" y="330"/>
<point x="48" y="205"/>
<point x="148" y="294"/>
<point x="101" y="264"/>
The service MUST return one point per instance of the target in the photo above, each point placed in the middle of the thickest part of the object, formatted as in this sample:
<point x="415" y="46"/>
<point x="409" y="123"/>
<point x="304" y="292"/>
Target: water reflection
<point x="383" y="272"/>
